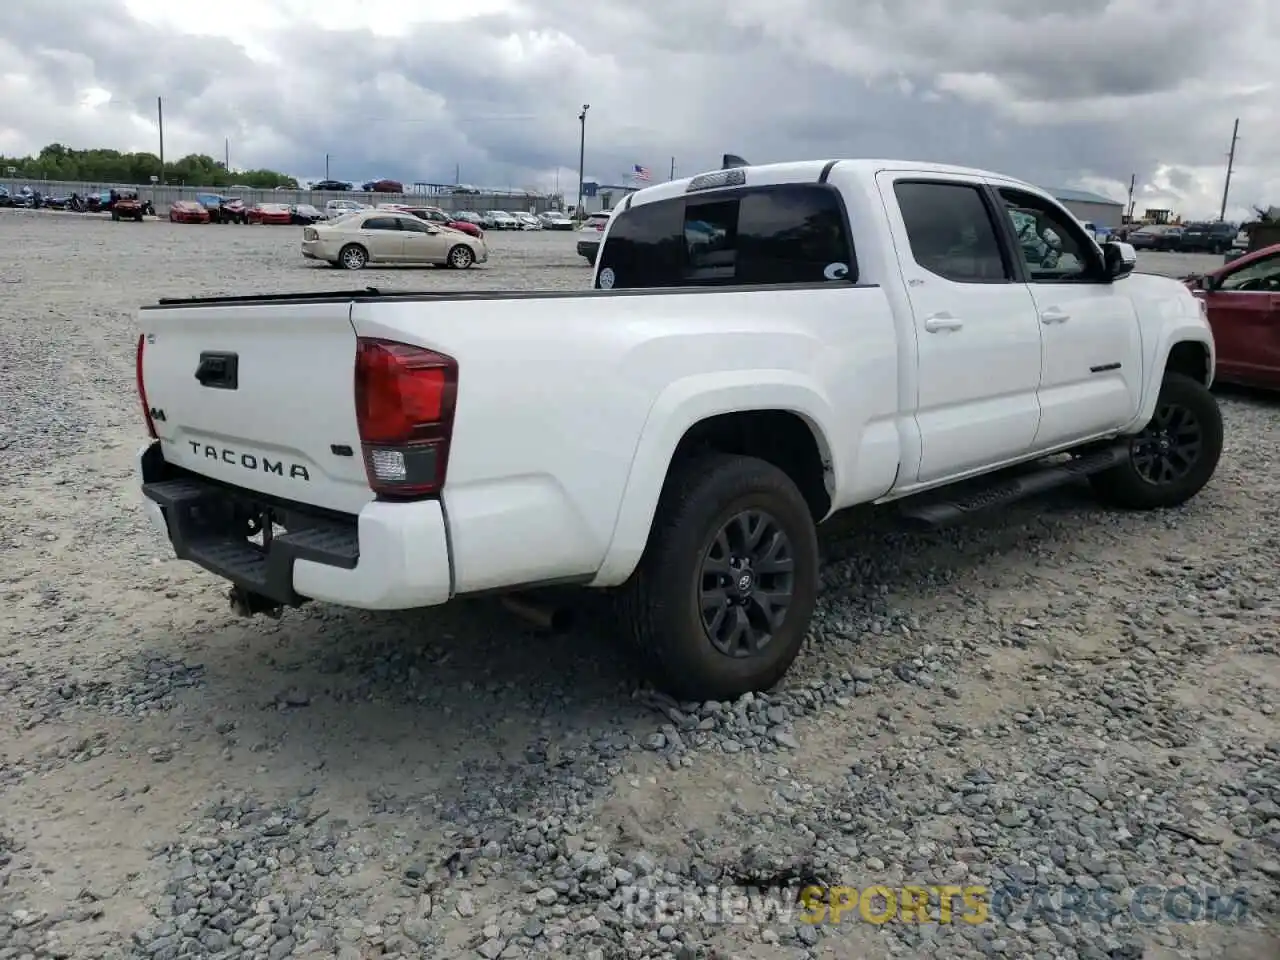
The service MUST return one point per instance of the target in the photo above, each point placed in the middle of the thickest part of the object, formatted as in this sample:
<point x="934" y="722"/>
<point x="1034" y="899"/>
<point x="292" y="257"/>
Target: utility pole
<point x="673" y="169"/>
<point x="1231" y="162"/>
<point x="457" y="174"/>
<point x="326" y="166"/>
<point x="582" y="157"/>
<point x="226" y="154"/>
<point x="1133" y="182"/>
<point x="160" y="118"/>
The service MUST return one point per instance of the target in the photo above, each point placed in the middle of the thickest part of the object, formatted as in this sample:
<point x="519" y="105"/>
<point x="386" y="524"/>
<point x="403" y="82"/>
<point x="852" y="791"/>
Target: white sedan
<point x="384" y="236"/>
<point x="554" y="220"/>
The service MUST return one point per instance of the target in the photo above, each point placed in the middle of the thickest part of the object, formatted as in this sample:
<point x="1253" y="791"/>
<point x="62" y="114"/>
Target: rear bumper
<point x="391" y="556"/>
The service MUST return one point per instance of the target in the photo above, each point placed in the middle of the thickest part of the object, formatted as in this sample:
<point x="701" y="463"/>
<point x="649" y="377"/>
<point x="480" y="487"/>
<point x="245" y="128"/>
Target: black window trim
<point x="722" y="194"/>
<point x="1000" y="225"/>
<point x="1095" y="274"/>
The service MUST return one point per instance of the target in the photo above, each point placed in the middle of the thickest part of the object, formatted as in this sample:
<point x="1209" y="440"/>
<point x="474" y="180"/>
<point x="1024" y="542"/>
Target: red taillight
<point x="142" y="389"/>
<point x="405" y="398"/>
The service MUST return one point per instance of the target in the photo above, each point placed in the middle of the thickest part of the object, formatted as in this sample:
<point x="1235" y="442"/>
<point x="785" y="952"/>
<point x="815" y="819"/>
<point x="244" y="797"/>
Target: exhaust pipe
<point x="543" y="615"/>
<point x="246" y="603"/>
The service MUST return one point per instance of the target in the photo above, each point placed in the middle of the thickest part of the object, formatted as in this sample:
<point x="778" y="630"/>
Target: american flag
<point x="640" y="173"/>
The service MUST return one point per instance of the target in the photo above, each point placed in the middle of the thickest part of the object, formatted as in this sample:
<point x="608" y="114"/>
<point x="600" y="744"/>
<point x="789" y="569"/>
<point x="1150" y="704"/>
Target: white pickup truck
<point x="764" y="346"/>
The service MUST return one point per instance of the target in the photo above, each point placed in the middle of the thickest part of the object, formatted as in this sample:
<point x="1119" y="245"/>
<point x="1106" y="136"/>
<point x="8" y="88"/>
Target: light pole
<point x="582" y="156"/>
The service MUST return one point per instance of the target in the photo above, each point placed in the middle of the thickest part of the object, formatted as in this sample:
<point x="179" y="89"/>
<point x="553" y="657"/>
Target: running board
<point x="998" y="492"/>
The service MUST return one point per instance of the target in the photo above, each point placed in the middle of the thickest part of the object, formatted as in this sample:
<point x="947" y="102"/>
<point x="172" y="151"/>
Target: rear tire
<point x="700" y="579"/>
<point x="353" y="257"/>
<point x="1174" y="456"/>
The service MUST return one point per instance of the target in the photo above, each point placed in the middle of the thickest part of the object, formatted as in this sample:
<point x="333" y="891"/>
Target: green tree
<point x="59" y="162"/>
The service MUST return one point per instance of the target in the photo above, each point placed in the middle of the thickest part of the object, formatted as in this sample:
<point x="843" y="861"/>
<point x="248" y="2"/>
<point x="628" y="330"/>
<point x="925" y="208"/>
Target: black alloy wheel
<point x="1170" y="445"/>
<point x="746" y="582"/>
<point x="1174" y="456"/>
<point x="723" y="596"/>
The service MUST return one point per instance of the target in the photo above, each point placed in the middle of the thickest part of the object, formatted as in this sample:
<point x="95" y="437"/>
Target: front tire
<point x="461" y="257"/>
<point x="1174" y="456"/>
<point x="721" y="600"/>
<point x="353" y="257"/>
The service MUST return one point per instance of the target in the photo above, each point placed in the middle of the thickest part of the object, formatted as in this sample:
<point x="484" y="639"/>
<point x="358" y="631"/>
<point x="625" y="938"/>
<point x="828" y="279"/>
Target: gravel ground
<point x="1051" y="702"/>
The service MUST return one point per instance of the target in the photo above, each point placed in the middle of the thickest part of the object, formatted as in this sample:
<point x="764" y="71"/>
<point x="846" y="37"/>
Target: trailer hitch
<point x="246" y="603"/>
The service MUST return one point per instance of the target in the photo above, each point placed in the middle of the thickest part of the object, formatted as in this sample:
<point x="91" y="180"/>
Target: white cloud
<point x="1082" y="95"/>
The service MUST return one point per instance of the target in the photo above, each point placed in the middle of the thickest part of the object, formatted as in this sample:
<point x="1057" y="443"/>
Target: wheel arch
<point x="779" y="422"/>
<point x="1186" y="349"/>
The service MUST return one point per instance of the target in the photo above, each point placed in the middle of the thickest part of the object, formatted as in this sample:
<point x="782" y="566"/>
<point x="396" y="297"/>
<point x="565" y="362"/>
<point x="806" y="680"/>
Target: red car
<point x="188" y="211"/>
<point x="436" y="215"/>
<point x="1243" y="303"/>
<point x="270" y="213"/>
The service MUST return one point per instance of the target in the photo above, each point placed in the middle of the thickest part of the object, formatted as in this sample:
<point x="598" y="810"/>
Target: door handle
<point x="1054" y="315"/>
<point x="942" y="321"/>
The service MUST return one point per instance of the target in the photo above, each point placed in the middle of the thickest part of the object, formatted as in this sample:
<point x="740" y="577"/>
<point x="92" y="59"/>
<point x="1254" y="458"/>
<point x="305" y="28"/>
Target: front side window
<point x="1053" y="245"/>
<point x="1261" y="276"/>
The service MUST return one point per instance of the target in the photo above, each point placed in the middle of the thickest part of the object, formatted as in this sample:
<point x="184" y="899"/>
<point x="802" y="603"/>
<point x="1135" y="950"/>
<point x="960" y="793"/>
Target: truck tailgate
<point x="259" y="396"/>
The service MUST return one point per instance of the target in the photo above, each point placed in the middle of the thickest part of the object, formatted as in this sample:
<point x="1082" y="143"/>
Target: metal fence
<point x="162" y="196"/>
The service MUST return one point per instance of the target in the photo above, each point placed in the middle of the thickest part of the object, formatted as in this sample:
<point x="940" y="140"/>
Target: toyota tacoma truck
<point x="762" y="347"/>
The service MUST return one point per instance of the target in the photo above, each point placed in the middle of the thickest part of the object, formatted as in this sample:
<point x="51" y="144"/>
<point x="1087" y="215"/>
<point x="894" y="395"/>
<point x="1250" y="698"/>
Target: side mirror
<point x="432" y="229"/>
<point x="1118" y="258"/>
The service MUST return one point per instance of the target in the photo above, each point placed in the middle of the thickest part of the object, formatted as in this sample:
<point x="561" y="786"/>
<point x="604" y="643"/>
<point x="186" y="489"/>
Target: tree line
<point x="58" y="162"/>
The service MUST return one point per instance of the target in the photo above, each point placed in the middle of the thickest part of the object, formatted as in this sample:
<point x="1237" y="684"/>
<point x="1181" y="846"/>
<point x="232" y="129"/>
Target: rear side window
<point x="951" y="232"/>
<point x="382" y="223"/>
<point x="771" y="235"/>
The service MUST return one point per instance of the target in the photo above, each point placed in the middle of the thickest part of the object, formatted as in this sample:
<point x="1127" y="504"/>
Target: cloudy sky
<point x="1081" y="94"/>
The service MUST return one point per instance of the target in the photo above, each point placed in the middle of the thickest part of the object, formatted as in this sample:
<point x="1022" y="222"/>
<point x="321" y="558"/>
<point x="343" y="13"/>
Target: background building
<point x="598" y="196"/>
<point x="1102" y="211"/>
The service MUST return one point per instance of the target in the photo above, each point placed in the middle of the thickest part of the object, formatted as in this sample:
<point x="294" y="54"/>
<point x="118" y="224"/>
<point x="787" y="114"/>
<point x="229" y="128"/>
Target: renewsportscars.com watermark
<point x="972" y="904"/>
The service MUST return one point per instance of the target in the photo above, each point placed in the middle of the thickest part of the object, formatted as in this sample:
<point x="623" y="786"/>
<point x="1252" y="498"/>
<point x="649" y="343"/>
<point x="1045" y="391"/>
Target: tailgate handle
<point x="219" y="370"/>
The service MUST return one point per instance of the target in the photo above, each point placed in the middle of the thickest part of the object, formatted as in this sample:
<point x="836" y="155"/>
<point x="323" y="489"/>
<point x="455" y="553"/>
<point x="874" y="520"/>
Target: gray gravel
<point x="1058" y="703"/>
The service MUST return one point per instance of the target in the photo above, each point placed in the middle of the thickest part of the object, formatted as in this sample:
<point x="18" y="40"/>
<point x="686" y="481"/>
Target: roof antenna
<point x="732" y="160"/>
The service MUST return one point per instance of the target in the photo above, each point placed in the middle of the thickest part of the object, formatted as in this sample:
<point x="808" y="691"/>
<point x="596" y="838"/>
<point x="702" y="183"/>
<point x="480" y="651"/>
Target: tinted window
<point x="644" y="246"/>
<point x="381" y="223"/>
<point x="951" y="232"/>
<point x="414" y="226"/>
<point x="1051" y="242"/>
<point x="791" y="234"/>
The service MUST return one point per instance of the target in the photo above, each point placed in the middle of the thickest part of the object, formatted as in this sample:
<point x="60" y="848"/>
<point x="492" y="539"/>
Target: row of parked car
<point x="215" y="208"/>
<point x="1205" y="237"/>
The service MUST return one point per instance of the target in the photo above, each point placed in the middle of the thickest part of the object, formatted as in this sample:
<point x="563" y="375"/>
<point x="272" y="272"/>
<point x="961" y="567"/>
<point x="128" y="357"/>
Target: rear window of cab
<point x="792" y="233"/>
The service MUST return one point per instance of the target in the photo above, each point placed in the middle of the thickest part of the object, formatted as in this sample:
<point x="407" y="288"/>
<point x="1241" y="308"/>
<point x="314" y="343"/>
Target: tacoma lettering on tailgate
<point x="249" y="461"/>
